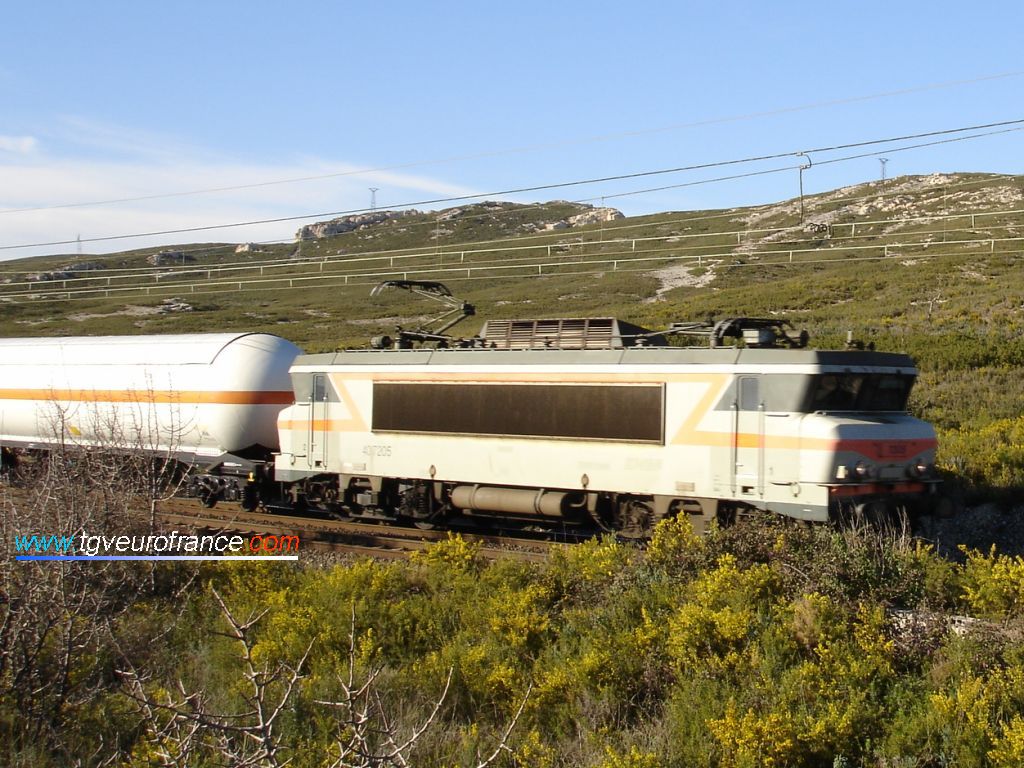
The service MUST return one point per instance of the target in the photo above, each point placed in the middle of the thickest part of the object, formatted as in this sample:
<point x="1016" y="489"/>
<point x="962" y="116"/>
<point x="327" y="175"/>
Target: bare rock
<point x="168" y="258"/>
<point x="169" y="306"/>
<point x="595" y="216"/>
<point x="345" y="224"/>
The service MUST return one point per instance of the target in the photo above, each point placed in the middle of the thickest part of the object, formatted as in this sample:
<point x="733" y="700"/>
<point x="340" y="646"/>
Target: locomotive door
<point x="748" y="439"/>
<point x="316" y="456"/>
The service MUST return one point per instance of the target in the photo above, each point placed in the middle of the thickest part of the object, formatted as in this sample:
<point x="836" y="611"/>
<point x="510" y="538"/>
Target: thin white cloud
<point x="125" y="142"/>
<point x="19" y="145"/>
<point x="46" y="182"/>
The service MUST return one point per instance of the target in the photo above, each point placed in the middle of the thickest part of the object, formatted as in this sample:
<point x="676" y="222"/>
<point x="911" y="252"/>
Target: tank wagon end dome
<point x="169" y="349"/>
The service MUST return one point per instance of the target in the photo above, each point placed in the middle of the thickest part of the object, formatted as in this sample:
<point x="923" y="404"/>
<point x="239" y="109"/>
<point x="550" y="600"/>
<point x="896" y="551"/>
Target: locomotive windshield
<point x="859" y="392"/>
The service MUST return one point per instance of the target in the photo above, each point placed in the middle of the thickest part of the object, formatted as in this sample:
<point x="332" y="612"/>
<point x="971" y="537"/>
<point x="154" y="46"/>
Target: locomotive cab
<point x="880" y="459"/>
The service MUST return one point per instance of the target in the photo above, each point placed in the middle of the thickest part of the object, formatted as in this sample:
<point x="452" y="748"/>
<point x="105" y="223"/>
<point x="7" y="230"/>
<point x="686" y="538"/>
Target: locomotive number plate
<point x="893" y="450"/>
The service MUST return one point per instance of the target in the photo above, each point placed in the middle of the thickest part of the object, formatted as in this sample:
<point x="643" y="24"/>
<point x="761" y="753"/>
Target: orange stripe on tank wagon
<point x="258" y="397"/>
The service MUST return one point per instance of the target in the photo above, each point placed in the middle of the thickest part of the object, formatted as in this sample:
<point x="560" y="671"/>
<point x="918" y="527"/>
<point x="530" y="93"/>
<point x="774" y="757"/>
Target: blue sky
<point x="111" y="100"/>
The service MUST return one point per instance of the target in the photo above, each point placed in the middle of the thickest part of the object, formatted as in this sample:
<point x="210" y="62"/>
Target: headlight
<point x="920" y="469"/>
<point x="864" y="470"/>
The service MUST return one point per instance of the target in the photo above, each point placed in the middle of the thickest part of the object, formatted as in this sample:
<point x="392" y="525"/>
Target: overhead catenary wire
<point x="523" y="242"/>
<point x="558" y="185"/>
<point x="531" y="148"/>
<point x="633" y="222"/>
<point x="360" y="267"/>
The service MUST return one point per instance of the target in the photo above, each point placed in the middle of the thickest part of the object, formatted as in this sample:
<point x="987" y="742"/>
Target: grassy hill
<point x="759" y="644"/>
<point x="929" y="265"/>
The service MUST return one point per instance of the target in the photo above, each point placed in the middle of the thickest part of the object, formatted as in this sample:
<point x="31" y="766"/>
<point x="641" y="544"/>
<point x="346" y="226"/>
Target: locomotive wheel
<point x="432" y="521"/>
<point x="636" y="519"/>
<point x="250" y="499"/>
<point x="202" y="489"/>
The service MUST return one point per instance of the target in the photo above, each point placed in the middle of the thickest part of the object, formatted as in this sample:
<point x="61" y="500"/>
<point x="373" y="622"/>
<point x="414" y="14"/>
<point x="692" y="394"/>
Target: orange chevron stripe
<point x="226" y="397"/>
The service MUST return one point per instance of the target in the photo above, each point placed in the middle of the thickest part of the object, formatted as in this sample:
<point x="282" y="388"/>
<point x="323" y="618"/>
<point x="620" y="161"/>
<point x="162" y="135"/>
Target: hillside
<point x="766" y="643"/>
<point x="927" y="265"/>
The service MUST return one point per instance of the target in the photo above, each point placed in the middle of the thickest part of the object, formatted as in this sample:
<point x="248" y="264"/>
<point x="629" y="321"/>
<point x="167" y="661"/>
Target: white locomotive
<point x="595" y="420"/>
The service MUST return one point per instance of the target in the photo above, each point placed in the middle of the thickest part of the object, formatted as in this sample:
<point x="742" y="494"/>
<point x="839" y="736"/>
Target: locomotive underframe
<point x="428" y="502"/>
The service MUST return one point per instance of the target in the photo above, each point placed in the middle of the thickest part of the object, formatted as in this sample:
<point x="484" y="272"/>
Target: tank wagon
<point x="577" y="421"/>
<point x="208" y="400"/>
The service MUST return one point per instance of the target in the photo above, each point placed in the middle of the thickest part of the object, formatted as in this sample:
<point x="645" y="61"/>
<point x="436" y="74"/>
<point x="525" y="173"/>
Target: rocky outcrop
<point x="488" y="210"/>
<point x="345" y="224"/>
<point x="168" y="306"/>
<point x="66" y="272"/>
<point x="592" y="216"/>
<point x="168" y="258"/>
<point x="595" y="216"/>
<point x="41" y="277"/>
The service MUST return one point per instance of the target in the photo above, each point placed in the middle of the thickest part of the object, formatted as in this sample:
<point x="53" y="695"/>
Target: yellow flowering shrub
<point x="993" y="584"/>
<point x="519" y="617"/>
<point x="674" y="544"/>
<point x="815" y="619"/>
<point x="751" y="740"/>
<point x="533" y="752"/>
<point x="635" y="758"/>
<point x="829" y="694"/>
<point x="974" y="713"/>
<point x="454" y="552"/>
<point x="1008" y="749"/>
<point x="992" y="454"/>
<point x="597" y="560"/>
<point x="552" y="688"/>
<point x="710" y="631"/>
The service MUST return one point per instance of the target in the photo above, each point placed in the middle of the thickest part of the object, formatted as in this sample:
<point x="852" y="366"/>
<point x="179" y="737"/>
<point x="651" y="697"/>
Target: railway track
<point x="378" y="540"/>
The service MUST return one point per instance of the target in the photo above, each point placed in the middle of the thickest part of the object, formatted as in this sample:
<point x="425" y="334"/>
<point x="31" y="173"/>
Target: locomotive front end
<point x="861" y="446"/>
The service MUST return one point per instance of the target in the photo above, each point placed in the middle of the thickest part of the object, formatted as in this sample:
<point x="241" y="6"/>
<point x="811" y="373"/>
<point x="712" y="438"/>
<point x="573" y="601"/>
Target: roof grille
<point x="563" y="333"/>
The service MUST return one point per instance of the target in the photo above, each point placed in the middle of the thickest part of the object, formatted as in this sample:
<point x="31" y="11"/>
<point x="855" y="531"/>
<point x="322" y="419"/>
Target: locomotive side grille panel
<point x="630" y="413"/>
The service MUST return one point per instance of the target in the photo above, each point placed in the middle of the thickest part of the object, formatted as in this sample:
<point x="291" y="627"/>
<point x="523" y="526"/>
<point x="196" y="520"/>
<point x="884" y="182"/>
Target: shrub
<point x="676" y="548"/>
<point x="993" y="584"/>
<point x="710" y="632"/>
<point x="755" y="741"/>
<point x="991" y="455"/>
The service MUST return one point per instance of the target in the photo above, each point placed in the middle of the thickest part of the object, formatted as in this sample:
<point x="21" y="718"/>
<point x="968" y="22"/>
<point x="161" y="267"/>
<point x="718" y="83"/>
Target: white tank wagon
<point x="611" y="429"/>
<point x="197" y="397"/>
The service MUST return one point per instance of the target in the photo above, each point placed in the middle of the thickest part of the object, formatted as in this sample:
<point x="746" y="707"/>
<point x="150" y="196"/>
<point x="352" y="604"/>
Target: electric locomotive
<point x="595" y="421"/>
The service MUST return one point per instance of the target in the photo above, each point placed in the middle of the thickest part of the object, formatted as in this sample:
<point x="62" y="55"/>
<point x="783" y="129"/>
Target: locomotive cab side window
<point x="319" y="393"/>
<point x="750" y="394"/>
